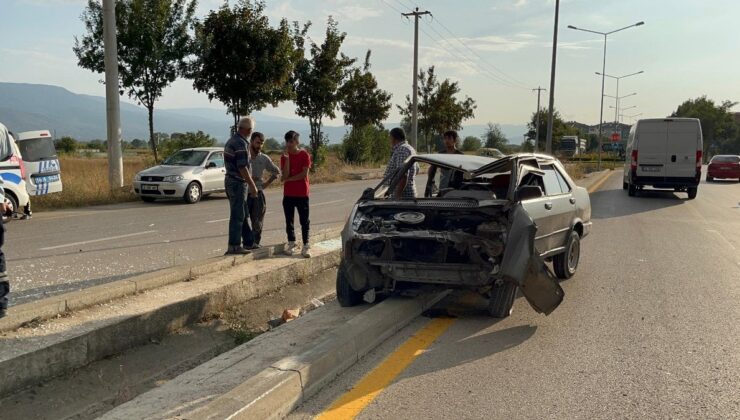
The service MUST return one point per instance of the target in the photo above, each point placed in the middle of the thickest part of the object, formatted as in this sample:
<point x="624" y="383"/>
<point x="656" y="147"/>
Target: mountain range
<point x="25" y="107"/>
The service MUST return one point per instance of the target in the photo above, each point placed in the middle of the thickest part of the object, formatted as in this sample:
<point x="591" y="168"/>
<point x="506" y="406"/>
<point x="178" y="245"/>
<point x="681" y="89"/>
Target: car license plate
<point x="46" y="179"/>
<point x="650" y="168"/>
<point x="149" y="187"/>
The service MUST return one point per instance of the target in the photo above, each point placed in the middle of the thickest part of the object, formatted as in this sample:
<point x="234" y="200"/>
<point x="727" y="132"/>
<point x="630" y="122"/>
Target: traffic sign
<point x="615" y="137"/>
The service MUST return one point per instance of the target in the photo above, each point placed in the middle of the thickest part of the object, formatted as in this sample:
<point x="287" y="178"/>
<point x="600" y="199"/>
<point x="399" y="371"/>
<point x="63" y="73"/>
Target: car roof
<point x="475" y="164"/>
<point x="667" y="119"/>
<point x="205" y="149"/>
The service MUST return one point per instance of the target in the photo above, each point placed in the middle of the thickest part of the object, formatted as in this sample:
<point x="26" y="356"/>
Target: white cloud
<point x="355" y="13"/>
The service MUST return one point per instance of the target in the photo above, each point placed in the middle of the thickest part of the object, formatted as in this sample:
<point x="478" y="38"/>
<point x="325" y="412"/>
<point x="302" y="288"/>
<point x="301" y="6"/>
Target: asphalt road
<point x="61" y="251"/>
<point x="649" y="328"/>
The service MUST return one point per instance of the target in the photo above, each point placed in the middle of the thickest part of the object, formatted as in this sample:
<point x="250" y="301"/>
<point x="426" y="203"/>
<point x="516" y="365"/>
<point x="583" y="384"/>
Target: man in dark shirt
<point x="238" y="180"/>
<point x="447" y="178"/>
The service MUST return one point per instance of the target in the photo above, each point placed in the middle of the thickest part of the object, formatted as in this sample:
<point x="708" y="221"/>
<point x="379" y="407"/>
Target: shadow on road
<point x="607" y="204"/>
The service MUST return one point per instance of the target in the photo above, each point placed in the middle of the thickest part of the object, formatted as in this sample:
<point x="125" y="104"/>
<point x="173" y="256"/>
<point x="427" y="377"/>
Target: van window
<point x="35" y="150"/>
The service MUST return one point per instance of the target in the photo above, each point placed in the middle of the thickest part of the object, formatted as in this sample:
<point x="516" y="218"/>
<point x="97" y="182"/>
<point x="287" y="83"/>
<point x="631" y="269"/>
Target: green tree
<point x="471" y="144"/>
<point x="363" y="102"/>
<point x="138" y="144"/>
<point x="495" y="138"/>
<point x="718" y="127"/>
<point x="242" y="61"/>
<point x="559" y="129"/>
<point x="317" y="82"/>
<point x="438" y="108"/>
<point x="66" y="144"/>
<point x="153" y="40"/>
<point x="367" y="144"/>
<point x="187" y="140"/>
<point x="272" y="144"/>
<point x="98" y="145"/>
<point x="527" y="145"/>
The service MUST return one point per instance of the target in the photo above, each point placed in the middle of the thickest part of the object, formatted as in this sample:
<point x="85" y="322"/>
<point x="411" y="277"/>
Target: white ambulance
<point x="43" y="173"/>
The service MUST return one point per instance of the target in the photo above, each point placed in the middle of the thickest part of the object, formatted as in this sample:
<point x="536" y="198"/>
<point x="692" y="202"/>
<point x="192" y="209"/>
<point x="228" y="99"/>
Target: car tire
<point x="709" y="178"/>
<point x="346" y="295"/>
<point x="501" y="300"/>
<point x="147" y="199"/>
<point x="631" y="190"/>
<point x="625" y="185"/>
<point x="566" y="264"/>
<point x="11" y="204"/>
<point x="692" y="192"/>
<point x="193" y="193"/>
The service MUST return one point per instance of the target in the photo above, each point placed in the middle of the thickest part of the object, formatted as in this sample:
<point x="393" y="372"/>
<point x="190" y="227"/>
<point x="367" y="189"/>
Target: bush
<point x="66" y="144"/>
<point x="471" y="144"/>
<point x="367" y="144"/>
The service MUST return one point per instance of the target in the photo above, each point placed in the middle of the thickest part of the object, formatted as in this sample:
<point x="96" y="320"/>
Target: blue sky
<point x="686" y="48"/>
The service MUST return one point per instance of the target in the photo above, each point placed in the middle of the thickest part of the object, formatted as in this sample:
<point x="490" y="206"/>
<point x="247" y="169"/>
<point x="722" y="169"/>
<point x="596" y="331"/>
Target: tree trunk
<point x="315" y="141"/>
<point x="152" y="140"/>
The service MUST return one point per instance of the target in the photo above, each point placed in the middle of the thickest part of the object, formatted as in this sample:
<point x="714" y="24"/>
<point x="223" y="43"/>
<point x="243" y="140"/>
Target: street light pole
<point x="603" y="71"/>
<point x="618" y="99"/>
<point x="548" y="144"/>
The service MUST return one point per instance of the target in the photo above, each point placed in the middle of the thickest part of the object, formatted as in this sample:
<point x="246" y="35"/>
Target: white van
<point x="43" y="173"/>
<point x="13" y="176"/>
<point x="664" y="153"/>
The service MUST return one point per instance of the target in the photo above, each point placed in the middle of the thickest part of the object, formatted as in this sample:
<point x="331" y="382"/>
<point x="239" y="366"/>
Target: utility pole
<point x="548" y="147"/>
<point x="414" y="114"/>
<point x="537" y="127"/>
<point x="113" y="111"/>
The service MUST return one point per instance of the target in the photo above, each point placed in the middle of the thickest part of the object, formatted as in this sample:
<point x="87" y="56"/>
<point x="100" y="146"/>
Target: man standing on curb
<point x="295" y="163"/>
<point x="448" y="178"/>
<point x="260" y="163"/>
<point x="238" y="180"/>
<point x="4" y="285"/>
<point x="402" y="150"/>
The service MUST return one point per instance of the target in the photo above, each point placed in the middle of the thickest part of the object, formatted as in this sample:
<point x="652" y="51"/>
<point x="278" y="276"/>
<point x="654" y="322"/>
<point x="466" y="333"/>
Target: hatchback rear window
<point x="36" y="150"/>
<point x="725" y="159"/>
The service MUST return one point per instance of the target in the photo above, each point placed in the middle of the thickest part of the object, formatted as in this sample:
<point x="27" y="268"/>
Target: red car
<point x="724" y="166"/>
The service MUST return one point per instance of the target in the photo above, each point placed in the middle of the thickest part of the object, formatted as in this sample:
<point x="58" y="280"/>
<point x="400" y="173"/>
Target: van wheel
<point x="11" y="205"/>
<point x="709" y="178"/>
<point x="566" y="264"/>
<point x="631" y="190"/>
<point x="346" y="295"/>
<point x="193" y="193"/>
<point x="147" y="199"/>
<point x="692" y="192"/>
<point x="625" y="185"/>
<point x="502" y="300"/>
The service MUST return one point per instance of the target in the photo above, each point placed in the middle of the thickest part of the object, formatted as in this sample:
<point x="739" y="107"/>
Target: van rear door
<point x="42" y="165"/>
<point x="682" y="144"/>
<point x="651" y="148"/>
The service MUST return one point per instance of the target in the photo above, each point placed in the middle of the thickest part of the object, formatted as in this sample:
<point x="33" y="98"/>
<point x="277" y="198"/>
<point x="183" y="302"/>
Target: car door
<point x="214" y="173"/>
<point x="562" y="203"/>
<point x="683" y="137"/>
<point x="651" y="148"/>
<point x="539" y="209"/>
<point x="41" y="162"/>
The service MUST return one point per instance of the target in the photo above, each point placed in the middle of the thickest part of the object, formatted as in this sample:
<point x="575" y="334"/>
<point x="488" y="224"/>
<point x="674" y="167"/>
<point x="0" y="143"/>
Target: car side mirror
<point x="211" y="165"/>
<point x="528" y="192"/>
<point x="368" y="194"/>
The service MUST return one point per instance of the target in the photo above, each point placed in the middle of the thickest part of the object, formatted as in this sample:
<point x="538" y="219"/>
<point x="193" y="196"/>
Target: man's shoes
<point x="2" y="312"/>
<point x="237" y="250"/>
<point x="306" y="252"/>
<point x="290" y="248"/>
<point x="253" y="247"/>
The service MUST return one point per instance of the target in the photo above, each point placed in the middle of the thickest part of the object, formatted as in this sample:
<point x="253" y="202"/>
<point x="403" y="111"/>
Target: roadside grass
<point x="85" y="179"/>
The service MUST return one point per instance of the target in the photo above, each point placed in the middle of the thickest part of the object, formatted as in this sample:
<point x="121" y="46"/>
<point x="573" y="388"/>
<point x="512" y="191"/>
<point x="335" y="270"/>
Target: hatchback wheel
<point x="692" y="192"/>
<point x="346" y="295"/>
<point x="193" y="193"/>
<point x="147" y="199"/>
<point x="631" y="190"/>
<point x="566" y="264"/>
<point x="709" y="178"/>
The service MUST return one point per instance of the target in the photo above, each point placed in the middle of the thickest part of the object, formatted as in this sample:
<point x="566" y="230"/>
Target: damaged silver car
<point x="493" y="228"/>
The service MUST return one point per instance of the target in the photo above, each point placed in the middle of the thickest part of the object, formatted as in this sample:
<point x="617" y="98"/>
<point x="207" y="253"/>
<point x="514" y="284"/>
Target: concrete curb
<point x="70" y="351"/>
<point x="277" y="390"/>
<point x="43" y="309"/>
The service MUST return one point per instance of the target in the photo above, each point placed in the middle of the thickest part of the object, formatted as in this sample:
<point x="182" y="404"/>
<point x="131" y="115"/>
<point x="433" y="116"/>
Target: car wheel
<point x="692" y="192"/>
<point x="11" y="205"/>
<point x="502" y="300"/>
<point x="631" y="190"/>
<point x="346" y="295"/>
<point x="709" y="178"/>
<point x="193" y="193"/>
<point x="625" y="185"/>
<point x="147" y="199"/>
<point x="566" y="264"/>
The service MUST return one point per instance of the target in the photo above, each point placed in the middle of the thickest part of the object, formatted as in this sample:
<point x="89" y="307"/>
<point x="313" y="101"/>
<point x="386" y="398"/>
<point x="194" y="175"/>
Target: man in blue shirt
<point x="238" y="180"/>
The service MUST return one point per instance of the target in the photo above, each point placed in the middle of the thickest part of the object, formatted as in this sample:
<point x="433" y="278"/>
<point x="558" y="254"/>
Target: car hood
<point x="164" y="170"/>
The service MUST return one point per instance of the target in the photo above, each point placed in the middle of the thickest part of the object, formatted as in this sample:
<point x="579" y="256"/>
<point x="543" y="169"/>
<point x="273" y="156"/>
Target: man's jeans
<point x="4" y="285"/>
<point x="239" y="231"/>
<point x="257" y="208"/>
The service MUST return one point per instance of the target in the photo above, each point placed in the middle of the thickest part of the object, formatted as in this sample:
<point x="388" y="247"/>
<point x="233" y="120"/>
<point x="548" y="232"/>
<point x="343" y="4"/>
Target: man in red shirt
<point x="295" y="163"/>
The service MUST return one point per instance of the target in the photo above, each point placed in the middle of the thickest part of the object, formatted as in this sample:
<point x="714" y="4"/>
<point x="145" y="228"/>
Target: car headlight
<point x="173" y="178"/>
<point x="137" y="177"/>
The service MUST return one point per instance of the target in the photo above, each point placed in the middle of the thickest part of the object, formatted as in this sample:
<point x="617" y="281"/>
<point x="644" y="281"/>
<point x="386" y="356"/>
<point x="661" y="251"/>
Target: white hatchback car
<point x="13" y="175"/>
<point x="188" y="174"/>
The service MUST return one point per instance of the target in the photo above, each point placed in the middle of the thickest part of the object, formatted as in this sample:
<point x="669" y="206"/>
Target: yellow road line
<point x="353" y="402"/>
<point x="600" y="182"/>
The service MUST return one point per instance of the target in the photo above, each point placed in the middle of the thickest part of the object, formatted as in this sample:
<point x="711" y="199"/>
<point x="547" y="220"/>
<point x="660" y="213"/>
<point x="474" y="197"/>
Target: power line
<point x="392" y="7"/>
<point x="457" y="38"/>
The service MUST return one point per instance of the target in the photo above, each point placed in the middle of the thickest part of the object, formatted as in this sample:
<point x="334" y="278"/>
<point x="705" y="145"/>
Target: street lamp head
<point x="571" y="27"/>
<point x="640" y="23"/>
<point x="598" y="73"/>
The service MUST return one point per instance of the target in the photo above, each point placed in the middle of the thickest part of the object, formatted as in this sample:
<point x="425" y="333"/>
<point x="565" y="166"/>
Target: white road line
<point x="327" y="203"/>
<point x="110" y="238"/>
<point x="227" y="219"/>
